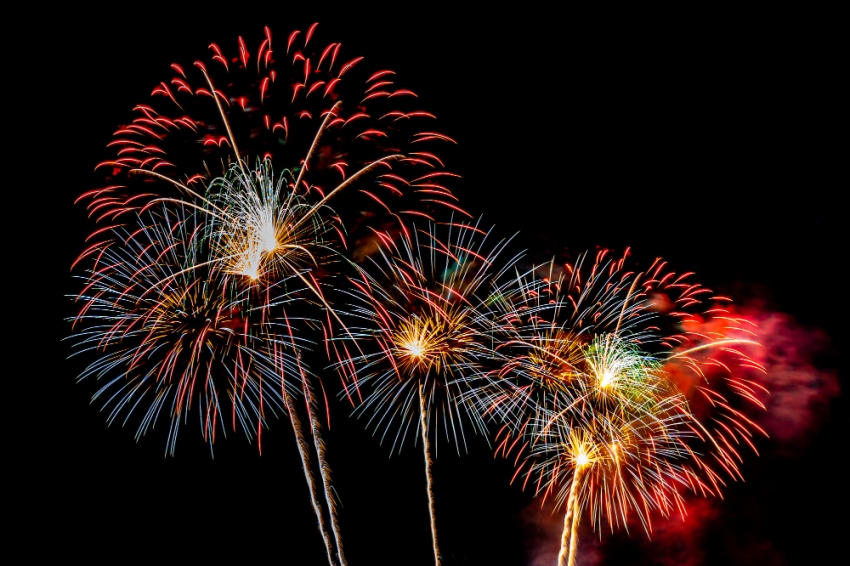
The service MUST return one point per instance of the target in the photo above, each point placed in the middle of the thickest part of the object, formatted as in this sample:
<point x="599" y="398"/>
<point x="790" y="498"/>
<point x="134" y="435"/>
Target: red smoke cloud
<point x="542" y="534"/>
<point x="678" y="542"/>
<point x="800" y="391"/>
<point x="692" y="541"/>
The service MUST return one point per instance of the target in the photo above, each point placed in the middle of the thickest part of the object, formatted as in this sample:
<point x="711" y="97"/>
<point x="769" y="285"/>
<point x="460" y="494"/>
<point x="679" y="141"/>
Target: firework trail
<point x="250" y="235"/>
<point x="619" y="389"/>
<point x="180" y="285"/>
<point x="324" y="468"/>
<point x="304" y="453"/>
<point x="419" y="335"/>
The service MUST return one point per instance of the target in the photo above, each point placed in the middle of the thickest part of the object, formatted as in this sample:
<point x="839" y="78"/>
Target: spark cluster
<point x="618" y="390"/>
<point x="417" y="323"/>
<point x="169" y="331"/>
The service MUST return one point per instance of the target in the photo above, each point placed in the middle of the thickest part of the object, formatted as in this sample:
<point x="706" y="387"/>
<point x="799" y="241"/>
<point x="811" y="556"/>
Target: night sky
<point x="708" y="140"/>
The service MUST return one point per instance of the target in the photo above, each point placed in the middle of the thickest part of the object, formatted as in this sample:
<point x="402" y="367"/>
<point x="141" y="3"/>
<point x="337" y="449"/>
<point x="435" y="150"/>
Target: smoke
<point x="706" y="535"/>
<point x="800" y="390"/>
<point x="680" y="542"/>
<point x="542" y="531"/>
<point x="799" y="382"/>
<point x="673" y="541"/>
<point x="703" y="536"/>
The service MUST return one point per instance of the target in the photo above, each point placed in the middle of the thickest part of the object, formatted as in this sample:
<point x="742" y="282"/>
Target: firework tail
<point x="303" y="451"/>
<point x="426" y="447"/>
<point x="574" y="534"/>
<point x="324" y="468"/>
<point x="569" y="538"/>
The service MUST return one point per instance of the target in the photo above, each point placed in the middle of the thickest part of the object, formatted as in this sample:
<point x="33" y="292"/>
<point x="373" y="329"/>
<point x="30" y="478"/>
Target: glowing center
<point x="252" y="274"/>
<point x="414" y="348"/>
<point x="268" y="239"/>
<point x="582" y="459"/>
<point x="607" y="378"/>
<point x="249" y="265"/>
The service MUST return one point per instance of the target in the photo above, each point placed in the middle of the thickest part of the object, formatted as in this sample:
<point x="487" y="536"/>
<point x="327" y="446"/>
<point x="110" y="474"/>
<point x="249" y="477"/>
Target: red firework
<point x="309" y="107"/>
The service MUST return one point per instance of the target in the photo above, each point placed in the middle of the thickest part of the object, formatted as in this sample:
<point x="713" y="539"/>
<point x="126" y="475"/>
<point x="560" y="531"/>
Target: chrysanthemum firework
<point x="171" y="333"/>
<point x="415" y="311"/>
<point x="622" y="358"/>
<point x="419" y="334"/>
<point x="303" y="105"/>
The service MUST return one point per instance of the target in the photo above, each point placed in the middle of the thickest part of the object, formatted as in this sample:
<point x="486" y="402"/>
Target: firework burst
<point x="417" y="304"/>
<point x="617" y="443"/>
<point x="420" y="335"/>
<point x="251" y="245"/>
<point x="171" y="334"/>
<point x="303" y="105"/>
<point x="619" y="389"/>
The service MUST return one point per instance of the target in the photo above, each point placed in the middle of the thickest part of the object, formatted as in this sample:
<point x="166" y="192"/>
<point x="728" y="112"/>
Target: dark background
<point x="709" y="139"/>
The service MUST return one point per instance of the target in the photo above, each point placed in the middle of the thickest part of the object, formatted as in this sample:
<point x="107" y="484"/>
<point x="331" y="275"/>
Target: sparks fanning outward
<point x="264" y="229"/>
<point x="619" y="389"/>
<point x="616" y="441"/>
<point x="196" y="310"/>
<point x="415" y="311"/>
<point x="419" y="334"/>
<point x="171" y="334"/>
<point x="300" y="103"/>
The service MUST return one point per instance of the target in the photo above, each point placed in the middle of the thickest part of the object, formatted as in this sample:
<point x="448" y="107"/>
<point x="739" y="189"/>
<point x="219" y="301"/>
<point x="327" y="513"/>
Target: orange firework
<point x="619" y="389"/>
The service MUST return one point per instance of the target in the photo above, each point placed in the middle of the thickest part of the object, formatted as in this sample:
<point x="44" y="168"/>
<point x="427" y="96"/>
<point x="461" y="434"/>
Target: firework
<point x="303" y="105"/>
<point x="184" y="295"/>
<point x="171" y="334"/>
<point x="619" y="389"/>
<point x="304" y="453"/>
<point x="178" y="330"/>
<point x="419" y="335"/>
<point x="618" y="445"/>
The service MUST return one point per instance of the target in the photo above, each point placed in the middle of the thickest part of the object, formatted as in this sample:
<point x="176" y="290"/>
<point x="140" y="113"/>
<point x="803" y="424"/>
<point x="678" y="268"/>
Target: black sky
<point x="708" y="139"/>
